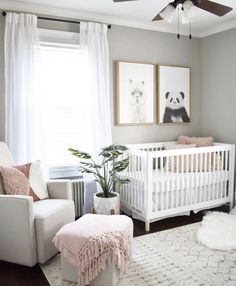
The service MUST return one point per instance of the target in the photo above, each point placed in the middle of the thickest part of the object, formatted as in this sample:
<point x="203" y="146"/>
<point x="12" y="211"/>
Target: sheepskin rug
<point x="218" y="230"/>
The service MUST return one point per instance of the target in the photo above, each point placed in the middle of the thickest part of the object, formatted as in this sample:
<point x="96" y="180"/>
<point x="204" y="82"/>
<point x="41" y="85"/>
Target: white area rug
<point x="218" y="230"/>
<point x="170" y="258"/>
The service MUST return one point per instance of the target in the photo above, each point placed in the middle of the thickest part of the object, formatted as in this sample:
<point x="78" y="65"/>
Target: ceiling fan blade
<point x="123" y="0"/>
<point x="157" y="18"/>
<point x="214" y="8"/>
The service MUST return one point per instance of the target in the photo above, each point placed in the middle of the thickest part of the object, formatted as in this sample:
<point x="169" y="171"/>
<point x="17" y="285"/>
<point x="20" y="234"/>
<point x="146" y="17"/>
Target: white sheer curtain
<point x="21" y="128"/>
<point x="94" y="45"/>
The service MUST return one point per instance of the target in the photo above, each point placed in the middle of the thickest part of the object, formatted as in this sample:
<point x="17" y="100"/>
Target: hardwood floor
<point x="16" y="275"/>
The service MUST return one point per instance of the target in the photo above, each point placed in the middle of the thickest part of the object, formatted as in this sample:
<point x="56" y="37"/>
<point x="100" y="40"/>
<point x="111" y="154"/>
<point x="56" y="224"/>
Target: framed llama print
<point x="173" y="94"/>
<point x="135" y="93"/>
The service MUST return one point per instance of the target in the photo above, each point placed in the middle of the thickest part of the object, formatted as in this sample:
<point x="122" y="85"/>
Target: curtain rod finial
<point x="4" y="13"/>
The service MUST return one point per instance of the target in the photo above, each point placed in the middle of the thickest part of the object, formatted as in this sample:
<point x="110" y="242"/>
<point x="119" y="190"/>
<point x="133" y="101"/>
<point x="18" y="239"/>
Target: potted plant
<point x="106" y="174"/>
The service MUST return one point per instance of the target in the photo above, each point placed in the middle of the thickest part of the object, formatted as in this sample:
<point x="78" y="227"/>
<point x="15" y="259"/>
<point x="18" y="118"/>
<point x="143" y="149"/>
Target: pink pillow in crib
<point x="15" y="182"/>
<point x="199" y="141"/>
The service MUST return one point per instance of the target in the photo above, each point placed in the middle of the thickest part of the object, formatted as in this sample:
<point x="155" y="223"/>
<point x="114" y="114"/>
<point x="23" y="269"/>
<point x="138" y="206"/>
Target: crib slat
<point x="182" y="181"/>
<point x="188" y="189"/>
<point x="200" y="178"/>
<point x="221" y="173"/>
<point x="214" y="176"/>
<point x="226" y="170"/>
<point x="156" y="186"/>
<point x="205" y="176"/>
<point x="217" y="176"/>
<point x="167" y="183"/>
<point x="142" y="187"/>
<point x="196" y="193"/>
<point x="134" y="193"/>
<point x="140" y="180"/>
<point x="162" y="184"/>
<point x="172" y="181"/>
<point x="177" y="182"/>
<point x="192" y="179"/>
<point x="210" y="177"/>
<point x="132" y="180"/>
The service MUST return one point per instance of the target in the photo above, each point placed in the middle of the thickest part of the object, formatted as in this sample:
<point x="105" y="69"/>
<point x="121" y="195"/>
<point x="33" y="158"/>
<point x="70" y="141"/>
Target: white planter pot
<point x="106" y="205"/>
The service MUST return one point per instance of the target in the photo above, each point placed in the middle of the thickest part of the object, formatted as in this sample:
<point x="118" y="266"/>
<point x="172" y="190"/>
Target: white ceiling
<point x="134" y="13"/>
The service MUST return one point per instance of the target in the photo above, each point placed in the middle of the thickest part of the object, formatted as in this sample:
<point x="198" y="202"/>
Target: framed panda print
<point x="173" y="94"/>
<point x="135" y="93"/>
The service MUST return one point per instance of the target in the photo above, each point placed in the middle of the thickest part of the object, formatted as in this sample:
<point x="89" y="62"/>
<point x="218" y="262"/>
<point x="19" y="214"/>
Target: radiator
<point x="83" y="197"/>
<point x="78" y="196"/>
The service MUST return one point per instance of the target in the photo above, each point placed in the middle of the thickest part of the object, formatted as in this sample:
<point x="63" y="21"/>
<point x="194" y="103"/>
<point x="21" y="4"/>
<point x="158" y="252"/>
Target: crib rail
<point x="168" y="182"/>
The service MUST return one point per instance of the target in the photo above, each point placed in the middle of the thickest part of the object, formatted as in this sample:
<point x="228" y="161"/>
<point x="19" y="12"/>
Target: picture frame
<point x="135" y="93"/>
<point x="173" y="94"/>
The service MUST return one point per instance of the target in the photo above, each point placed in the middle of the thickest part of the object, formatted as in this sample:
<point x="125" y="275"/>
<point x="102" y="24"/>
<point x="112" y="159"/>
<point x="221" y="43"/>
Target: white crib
<point x="165" y="183"/>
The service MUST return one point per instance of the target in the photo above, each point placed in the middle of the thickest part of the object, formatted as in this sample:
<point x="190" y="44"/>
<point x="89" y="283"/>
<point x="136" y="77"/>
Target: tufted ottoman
<point x="95" y="249"/>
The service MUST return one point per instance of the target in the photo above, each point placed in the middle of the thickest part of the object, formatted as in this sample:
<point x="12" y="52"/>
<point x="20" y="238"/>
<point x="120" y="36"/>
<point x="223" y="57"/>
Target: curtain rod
<point x="4" y="13"/>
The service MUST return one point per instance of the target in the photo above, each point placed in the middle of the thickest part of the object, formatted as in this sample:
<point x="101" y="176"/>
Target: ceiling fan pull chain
<point x="190" y="29"/>
<point x="178" y="35"/>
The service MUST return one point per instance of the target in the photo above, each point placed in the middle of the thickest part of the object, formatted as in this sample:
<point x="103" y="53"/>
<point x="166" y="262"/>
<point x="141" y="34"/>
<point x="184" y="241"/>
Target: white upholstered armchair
<point x="26" y="227"/>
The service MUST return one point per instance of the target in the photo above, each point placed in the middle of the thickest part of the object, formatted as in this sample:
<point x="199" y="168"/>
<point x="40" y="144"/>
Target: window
<point x="62" y="96"/>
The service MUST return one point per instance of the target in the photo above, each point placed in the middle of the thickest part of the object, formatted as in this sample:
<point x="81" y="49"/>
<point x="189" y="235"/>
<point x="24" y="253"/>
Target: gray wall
<point x="140" y="46"/>
<point x="153" y="47"/>
<point x="218" y="104"/>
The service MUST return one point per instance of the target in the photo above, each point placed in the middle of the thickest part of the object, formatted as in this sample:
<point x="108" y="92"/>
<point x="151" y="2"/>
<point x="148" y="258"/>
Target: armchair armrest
<point x="17" y="239"/>
<point x="60" y="189"/>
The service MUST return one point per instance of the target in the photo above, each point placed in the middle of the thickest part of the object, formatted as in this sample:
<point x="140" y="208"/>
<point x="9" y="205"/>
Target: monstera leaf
<point x="106" y="172"/>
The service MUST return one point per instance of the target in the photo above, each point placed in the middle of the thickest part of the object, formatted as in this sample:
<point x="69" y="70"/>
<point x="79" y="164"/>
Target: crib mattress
<point x="176" y="189"/>
<point x="198" y="178"/>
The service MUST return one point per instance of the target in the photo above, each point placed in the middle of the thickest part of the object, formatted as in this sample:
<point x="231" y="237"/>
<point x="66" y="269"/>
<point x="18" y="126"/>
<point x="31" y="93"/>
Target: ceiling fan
<point x="189" y="7"/>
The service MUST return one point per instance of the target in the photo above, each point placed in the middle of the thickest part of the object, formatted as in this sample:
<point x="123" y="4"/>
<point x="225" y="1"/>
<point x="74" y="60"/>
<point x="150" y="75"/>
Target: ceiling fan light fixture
<point x="189" y="10"/>
<point x="168" y="13"/>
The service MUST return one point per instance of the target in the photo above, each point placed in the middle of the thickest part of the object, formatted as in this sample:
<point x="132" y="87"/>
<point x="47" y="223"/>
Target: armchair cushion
<point x="49" y="216"/>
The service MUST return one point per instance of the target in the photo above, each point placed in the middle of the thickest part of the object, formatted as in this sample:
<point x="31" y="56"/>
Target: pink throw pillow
<point x="15" y="182"/>
<point x="25" y="169"/>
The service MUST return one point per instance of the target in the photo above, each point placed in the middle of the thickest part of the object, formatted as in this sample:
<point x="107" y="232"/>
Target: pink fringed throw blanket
<point x="95" y="240"/>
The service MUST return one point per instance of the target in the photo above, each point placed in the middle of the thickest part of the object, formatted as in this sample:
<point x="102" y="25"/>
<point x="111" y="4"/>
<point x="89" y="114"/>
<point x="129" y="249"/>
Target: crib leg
<point x="231" y="205"/>
<point x="147" y="226"/>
